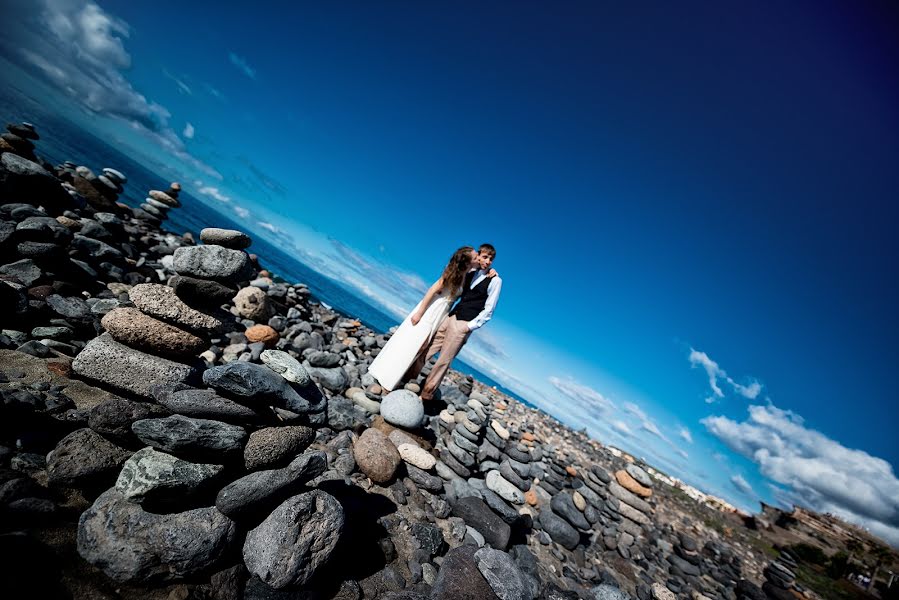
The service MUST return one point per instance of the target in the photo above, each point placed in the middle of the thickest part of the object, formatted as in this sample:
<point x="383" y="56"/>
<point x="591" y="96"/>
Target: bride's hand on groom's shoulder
<point x="492" y="273"/>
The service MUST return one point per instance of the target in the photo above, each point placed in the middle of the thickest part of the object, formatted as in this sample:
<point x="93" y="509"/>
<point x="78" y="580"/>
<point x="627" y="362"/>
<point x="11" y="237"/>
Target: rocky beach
<point x="179" y="423"/>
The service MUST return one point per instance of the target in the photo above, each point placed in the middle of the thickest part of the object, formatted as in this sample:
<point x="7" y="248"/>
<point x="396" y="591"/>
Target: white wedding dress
<point x="397" y="356"/>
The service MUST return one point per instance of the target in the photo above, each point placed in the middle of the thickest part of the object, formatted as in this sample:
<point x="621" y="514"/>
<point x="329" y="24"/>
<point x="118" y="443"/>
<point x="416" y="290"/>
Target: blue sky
<point x="694" y="206"/>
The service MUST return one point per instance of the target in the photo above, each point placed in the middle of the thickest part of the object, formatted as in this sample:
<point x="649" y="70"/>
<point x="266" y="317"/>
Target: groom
<point x="472" y="311"/>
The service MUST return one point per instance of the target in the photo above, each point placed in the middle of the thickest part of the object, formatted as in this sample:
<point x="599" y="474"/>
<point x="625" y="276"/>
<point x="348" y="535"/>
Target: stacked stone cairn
<point x="780" y="578"/>
<point x="155" y="208"/>
<point x="172" y="512"/>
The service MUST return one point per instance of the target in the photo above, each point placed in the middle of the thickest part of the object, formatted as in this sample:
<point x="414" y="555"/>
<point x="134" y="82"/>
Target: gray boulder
<point x="559" y="530"/>
<point x="403" y="409"/>
<point x="213" y="262"/>
<point x="479" y="516"/>
<point x="289" y="546"/>
<point x="502" y="574"/>
<point x="132" y="545"/>
<point x="256" y="385"/>
<point x="182" y="435"/>
<point x="202" y="404"/>
<point x="460" y="579"/>
<point x="84" y="457"/>
<point x="126" y="370"/>
<point x="258" y="491"/>
<point x="153" y="478"/>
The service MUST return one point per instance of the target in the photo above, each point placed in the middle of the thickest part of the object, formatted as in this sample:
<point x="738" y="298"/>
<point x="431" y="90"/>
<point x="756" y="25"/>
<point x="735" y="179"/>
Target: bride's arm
<point x="426" y="301"/>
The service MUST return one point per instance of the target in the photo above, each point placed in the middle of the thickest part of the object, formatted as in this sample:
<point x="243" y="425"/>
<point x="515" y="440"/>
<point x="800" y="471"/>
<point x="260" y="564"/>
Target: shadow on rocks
<point x="24" y="555"/>
<point x="359" y="553"/>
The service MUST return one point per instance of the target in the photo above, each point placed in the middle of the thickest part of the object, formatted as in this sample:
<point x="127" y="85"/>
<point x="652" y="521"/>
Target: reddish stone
<point x="264" y="334"/>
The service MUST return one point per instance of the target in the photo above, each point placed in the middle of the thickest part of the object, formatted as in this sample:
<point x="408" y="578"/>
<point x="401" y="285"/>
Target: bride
<point x="417" y="330"/>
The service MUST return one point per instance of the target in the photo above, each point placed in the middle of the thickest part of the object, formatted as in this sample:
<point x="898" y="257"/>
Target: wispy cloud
<point x="818" y="471"/>
<point x="742" y="485"/>
<point x="214" y="92"/>
<point x="622" y="427"/>
<point x="583" y="394"/>
<point x="242" y="65"/>
<point x="179" y="83"/>
<point x="214" y="193"/>
<point x="685" y="434"/>
<point x="715" y="372"/>
<point x="188" y="131"/>
<point x="241" y="212"/>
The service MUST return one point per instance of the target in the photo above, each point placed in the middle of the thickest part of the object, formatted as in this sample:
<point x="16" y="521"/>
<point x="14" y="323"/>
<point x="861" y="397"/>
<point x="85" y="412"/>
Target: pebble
<point x="272" y="446"/>
<point x="503" y="488"/>
<point x="285" y="365"/>
<point x="414" y="455"/>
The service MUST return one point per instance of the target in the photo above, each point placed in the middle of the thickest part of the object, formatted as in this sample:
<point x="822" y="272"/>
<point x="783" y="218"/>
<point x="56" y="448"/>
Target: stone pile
<point x="157" y="340"/>
<point x="780" y="578"/>
<point x="155" y="208"/>
<point x="237" y="444"/>
<point x="19" y="139"/>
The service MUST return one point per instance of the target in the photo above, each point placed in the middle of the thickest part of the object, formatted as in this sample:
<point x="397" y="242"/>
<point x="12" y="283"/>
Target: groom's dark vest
<point x="472" y="300"/>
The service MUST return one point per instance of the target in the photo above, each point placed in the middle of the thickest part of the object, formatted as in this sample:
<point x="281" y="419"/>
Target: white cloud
<point x="78" y="48"/>
<point x="188" y="131"/>
<point x="214" y="193"/>
<point x="242" y="65"/>
<point x="715" y="372"/>
<point x="742" y="485"/>
<point x="582" y="394"/>
<point x="241" y="212"/>
<point x="269" y="227"/>
<point x="819" y="472"/>
<point x="179" y="84"/>
<point x="622" y="427"/>
<point x="685" y="434"/>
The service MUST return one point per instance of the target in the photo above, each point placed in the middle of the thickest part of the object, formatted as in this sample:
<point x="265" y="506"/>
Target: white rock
<point x="286" y="366"/>
<point x="499" y="429"/>
<point x="415" y="455"/>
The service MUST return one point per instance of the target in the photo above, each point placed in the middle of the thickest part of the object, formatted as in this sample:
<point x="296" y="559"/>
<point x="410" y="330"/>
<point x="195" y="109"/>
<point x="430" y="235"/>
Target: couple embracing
<point x="462" y="300"/>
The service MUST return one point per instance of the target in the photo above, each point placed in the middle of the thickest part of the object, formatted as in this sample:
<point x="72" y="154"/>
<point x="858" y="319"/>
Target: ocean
<point x="61" y="140"/>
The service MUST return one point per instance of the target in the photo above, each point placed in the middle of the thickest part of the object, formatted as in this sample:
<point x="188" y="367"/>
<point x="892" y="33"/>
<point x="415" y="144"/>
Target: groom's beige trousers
<point x="449" y="339"/>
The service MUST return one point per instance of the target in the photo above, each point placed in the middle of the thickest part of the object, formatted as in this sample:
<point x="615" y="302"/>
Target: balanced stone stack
<point x="157" y="204"/>
<point x="632" y="488"/>
<point x="95" y="192"/>
<point x="684" y="566"/>
<point x="465" y="427"/>
<point x="780" y="577"/>
<point x="18" y="140"/>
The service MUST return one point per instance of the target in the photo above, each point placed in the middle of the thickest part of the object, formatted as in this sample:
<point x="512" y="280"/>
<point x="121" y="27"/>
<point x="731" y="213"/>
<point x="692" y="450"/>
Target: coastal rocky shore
<point x="177" y="422"/>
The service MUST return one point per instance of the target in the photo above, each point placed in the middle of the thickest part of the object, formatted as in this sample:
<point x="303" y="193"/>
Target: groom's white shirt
<point x="493" y="289"/>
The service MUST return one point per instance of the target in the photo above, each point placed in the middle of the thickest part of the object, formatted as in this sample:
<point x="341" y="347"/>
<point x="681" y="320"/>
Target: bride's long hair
<point x="456" y="269"/>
